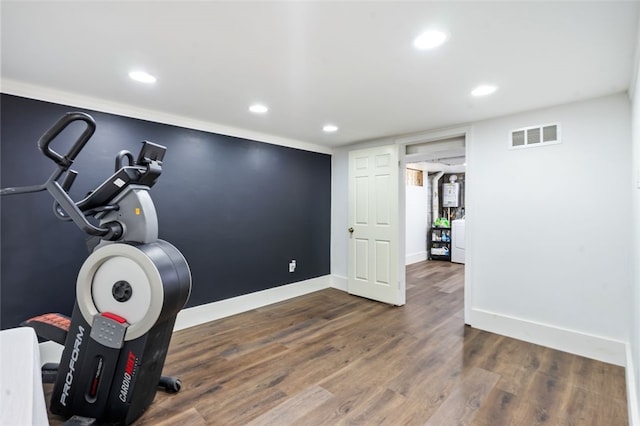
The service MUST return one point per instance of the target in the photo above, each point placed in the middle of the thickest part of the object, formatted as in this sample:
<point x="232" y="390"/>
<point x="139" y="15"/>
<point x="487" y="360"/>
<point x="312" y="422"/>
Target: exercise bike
<point x="128" y="291"/>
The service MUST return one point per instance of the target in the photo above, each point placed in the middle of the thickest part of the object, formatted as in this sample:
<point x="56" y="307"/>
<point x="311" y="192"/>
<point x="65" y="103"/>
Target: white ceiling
<point x="348" y="63"/>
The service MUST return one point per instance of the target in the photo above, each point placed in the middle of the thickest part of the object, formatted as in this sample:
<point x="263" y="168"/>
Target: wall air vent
<point x="535" y="136"/>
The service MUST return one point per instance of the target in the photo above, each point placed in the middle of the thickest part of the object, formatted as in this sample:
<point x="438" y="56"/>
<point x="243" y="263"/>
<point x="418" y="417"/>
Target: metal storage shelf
<point x="439" y="243"/>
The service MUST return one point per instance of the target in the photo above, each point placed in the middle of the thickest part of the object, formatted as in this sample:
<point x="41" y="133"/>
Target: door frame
<point x="419" y="138"/>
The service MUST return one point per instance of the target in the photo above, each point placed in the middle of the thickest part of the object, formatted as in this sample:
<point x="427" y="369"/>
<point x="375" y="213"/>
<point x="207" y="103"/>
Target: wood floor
<point x="329" y="358"/>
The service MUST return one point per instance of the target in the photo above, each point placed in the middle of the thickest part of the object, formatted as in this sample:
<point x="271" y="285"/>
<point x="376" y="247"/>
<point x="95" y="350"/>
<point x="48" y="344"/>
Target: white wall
<point x="548" y="261"/>
<point x="549" y="240"/>
<point x="633" y="361"/>
<point x="339" y="215"/>
<point x="416" y="212"/>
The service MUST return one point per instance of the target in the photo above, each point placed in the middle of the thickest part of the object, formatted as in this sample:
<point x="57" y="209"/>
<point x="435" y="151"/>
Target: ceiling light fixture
<point x="429" y="40"/>
<point x="142" y="77"/>
<point x="258" y="109"/>
<point x="483" y="90"/>
<point x="330" y="128"/>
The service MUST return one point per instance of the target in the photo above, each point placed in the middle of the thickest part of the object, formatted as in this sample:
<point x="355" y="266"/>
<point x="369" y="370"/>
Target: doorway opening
<point x="434" y="207"/>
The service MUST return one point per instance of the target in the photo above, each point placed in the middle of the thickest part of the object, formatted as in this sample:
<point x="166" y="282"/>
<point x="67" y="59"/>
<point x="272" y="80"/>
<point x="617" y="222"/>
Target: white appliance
<point x="450" y="194"/>
<point x="457" y="241"/>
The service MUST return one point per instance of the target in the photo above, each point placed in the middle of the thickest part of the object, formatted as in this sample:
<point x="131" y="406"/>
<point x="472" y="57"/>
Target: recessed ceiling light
<point x="330" y="128"/>
<point x="258" y="109"/>
<point x="142" y="77"/>
<point x="483" y="90"/>
<point x="429" y="40"/>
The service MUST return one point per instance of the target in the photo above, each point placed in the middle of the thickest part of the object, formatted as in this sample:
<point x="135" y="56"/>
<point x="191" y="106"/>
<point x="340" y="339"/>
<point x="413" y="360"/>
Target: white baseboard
<point x="587" y="345"/>
<point x="415" y="257"/>
<point x="632" y="389"/>
<point x="339" y="282"/>
<point x="201" y="314"/>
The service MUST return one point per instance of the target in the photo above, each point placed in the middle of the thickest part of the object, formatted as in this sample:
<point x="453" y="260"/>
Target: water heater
<point x="451" y="194"/>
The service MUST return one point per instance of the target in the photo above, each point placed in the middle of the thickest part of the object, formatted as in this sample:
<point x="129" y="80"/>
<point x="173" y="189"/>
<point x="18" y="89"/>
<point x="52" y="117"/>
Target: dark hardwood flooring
<point x="329" y="358"/>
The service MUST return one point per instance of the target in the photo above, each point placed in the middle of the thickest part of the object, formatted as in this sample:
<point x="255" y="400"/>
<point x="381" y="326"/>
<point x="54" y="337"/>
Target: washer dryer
<point x="457" y="241"/>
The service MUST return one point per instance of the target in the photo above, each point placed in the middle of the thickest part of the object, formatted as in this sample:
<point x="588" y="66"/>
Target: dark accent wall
<point x="239" y="210"/>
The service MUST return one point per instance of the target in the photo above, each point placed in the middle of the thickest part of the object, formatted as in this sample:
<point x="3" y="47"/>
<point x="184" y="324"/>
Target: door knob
<point x="350" y="230"/>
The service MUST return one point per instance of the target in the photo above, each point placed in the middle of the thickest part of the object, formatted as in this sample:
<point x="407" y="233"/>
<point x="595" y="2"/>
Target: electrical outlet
<point x="292" y="266"/>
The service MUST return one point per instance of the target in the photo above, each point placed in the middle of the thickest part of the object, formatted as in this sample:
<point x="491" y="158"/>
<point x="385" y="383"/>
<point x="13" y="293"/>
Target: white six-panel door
<point x="373" y="225"/>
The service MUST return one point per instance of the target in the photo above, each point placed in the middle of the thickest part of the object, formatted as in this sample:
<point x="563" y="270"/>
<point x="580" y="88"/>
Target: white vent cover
<point x="527" y="137"/>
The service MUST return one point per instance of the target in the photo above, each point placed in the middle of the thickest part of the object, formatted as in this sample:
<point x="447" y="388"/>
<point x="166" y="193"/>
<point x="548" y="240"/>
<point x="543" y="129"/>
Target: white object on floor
<point x="457" y="241"/>
<point x="50" y="352"/>
<point x="21" y="393"/>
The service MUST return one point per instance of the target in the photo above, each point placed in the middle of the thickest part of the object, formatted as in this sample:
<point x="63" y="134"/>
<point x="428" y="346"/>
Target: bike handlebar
<point x="64" y="121"/>
<point x="63" y="202"/>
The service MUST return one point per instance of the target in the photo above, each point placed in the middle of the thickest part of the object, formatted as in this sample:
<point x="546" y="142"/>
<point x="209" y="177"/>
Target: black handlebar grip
<point x="58" y="127"/>
<point x="121" y="156"/>
<point x="68" y="180"/>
